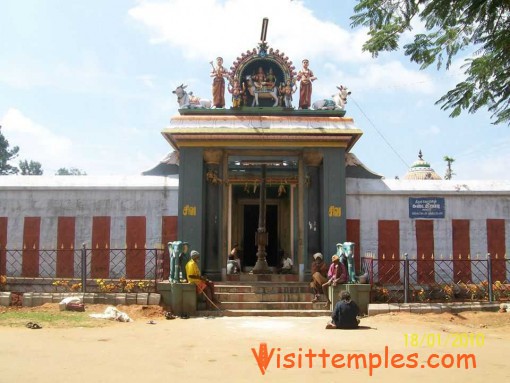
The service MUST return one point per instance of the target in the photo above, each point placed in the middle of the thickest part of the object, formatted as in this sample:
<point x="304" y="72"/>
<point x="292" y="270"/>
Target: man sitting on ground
<point x="345" y="313"/>
<point x="203" y="284"/>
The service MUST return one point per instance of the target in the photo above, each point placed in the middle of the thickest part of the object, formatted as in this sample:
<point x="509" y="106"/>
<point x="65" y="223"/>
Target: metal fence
<point x="82" y="270"/>
<point x="437" y="279"/>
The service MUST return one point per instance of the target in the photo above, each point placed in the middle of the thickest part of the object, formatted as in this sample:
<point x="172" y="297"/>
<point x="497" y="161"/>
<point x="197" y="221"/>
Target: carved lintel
<point x="213" y="156"/>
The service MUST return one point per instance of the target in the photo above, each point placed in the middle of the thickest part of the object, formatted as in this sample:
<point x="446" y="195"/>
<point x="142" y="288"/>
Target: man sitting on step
<point x="287" y="264"/>
<point x="203" y="284"/>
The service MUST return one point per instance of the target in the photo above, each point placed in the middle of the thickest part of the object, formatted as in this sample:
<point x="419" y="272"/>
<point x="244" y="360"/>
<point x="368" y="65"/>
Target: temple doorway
<point x="251" y="217"/>
<point x="244" y="222"/>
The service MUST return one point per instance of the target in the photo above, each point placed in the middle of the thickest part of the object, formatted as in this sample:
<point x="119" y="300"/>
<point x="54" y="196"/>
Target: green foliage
<point x="70" y="172"/>
<point x="449" y="172"/>
<point x="32" y="168"/>
<point x="7" y="155"/>
<point x="452" y="27"/>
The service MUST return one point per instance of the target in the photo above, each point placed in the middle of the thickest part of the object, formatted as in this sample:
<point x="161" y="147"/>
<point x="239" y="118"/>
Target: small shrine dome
<point x="421" y="170"/>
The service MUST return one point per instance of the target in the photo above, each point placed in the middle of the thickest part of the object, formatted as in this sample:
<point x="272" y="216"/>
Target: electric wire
<point x="380" y="134"/>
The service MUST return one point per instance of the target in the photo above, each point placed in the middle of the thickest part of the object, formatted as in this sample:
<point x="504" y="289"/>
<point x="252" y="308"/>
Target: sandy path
<point x="220" y="349"/>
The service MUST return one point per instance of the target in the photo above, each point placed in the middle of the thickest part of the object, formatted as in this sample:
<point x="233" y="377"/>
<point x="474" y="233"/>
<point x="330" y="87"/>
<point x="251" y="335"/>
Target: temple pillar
<point x="191" y="202"/>
<point x="313" y="162"/>
<point x="333" y="195"/>
<point x="213" y="197"/>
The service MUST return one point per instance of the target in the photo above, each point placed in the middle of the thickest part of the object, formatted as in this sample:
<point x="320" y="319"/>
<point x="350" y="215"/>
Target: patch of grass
<point x="61" y="319"/>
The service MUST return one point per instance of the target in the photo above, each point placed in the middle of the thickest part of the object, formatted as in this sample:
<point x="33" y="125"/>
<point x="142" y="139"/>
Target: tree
<point x="32" y="168"/>
<point x="7" y="155"/>
<point x="449" y="173"/>
<point x="70" y="172"/>
<point x="452" y="26"/>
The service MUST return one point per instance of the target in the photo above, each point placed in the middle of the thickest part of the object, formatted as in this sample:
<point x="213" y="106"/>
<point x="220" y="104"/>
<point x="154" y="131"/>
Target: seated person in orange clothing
<point x="203" y="284"/>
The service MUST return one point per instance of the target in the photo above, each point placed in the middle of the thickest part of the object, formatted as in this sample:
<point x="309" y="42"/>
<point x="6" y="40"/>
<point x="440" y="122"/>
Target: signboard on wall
<point x="426" y="207"/>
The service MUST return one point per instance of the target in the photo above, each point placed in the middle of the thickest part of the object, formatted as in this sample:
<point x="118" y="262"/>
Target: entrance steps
<point x="274" y="295"/>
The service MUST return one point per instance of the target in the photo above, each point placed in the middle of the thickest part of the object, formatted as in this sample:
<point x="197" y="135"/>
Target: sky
<point x="87" y="84"/>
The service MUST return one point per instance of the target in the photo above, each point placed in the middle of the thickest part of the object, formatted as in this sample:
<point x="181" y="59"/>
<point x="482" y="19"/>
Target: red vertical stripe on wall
<point x="3" y="245"/>
<point x="461" y="251"/>
<point x="168" y="234"/>
<point x="388" y="251"/>
<point x="425" y="250"/>
<point x="30" y="256"/>
<point x="496" y="247"/>
<point x="100" y="261"/>
<point x="135" y="253"/>
<point x="354" y="235"/>
<point x="65" y="247"/>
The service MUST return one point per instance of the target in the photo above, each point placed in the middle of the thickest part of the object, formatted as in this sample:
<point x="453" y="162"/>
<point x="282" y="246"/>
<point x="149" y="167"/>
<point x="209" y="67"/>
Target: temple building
<point x="269" y="174"/>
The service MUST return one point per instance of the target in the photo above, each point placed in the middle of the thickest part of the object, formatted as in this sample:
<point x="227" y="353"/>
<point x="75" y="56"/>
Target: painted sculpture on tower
<point x="286" y="91"/>
<point x="337" y="102"/>
<point x="218" y="86"/>
<point x="305" y="77"/>
<point x="188" y="100"/>
<point x="236" y="92"/>
<point x="262" y="77"/>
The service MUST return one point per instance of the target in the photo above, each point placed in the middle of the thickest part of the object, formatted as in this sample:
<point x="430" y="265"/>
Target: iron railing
<point x="83" y="270"/>
<point x="407" y="279"/>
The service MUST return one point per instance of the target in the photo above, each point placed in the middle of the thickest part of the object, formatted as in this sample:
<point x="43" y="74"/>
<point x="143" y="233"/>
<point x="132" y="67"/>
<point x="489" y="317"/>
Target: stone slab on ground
<point x="425" y="308"/>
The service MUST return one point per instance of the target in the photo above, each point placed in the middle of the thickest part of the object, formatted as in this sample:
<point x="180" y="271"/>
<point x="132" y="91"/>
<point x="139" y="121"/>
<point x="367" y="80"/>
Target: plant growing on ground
<point x="105" y="287"/>
<point x="381" y="294"/>
<point x="447" y="291"/>
<point x="144" y="285"/>
<point x="61" y="283"/>
<point x="500" y="290"/>
<point x="126" y="286"/>
<point x="421" y="295"/>
<point x="3" y="282"/>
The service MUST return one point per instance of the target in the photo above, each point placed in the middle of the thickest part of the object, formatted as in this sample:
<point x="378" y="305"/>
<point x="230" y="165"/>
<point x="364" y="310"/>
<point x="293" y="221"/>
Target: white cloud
<point x="487" y="160"/>
<point x="201" y="33"/>
<point x="20" y="72"/>
<point x="35" y="141"/>
<point x="394" y="77"/>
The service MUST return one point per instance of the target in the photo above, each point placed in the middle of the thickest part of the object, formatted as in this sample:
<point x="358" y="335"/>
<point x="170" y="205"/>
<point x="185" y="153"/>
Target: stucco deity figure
<point x="287" y="91"/>
<point x="218" y="86"/>
<point x="179" y="256"/>
<point x="305" y="77"/>
<point x="259" y="78"/>
<point x="270" y="79"/>
<point x="236" y="92"/>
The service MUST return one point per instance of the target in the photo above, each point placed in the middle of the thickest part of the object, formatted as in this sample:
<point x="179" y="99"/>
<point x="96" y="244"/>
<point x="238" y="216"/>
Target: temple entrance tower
<point x="262" y="174"/>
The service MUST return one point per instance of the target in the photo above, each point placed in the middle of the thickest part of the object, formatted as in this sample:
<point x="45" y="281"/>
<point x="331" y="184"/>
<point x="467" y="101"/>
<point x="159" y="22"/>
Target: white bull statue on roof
<point x="337" y="102"/>
<point x="188" y="100"/>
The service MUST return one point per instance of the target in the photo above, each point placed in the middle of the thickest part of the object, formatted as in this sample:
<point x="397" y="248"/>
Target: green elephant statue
<point x="179" y="256"/>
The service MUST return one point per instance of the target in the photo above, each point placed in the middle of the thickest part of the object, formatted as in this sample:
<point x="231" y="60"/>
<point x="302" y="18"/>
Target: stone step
<point x="247" y="277"/>
<point x="268" y="313"/>
<point x="264" y="297"/>
<point x="263" y="288"/>
<point x="272" y="306"/>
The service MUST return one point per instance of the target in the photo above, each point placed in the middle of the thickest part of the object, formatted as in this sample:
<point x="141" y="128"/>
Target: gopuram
<point x="267" y="173"/>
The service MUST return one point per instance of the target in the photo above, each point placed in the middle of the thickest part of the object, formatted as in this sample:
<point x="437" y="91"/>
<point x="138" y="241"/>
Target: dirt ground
<point x="221" y="348"/>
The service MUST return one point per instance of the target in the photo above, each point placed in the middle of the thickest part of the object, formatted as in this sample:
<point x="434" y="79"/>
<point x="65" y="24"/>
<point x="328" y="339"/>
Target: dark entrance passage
<point x="251" y="223"/>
